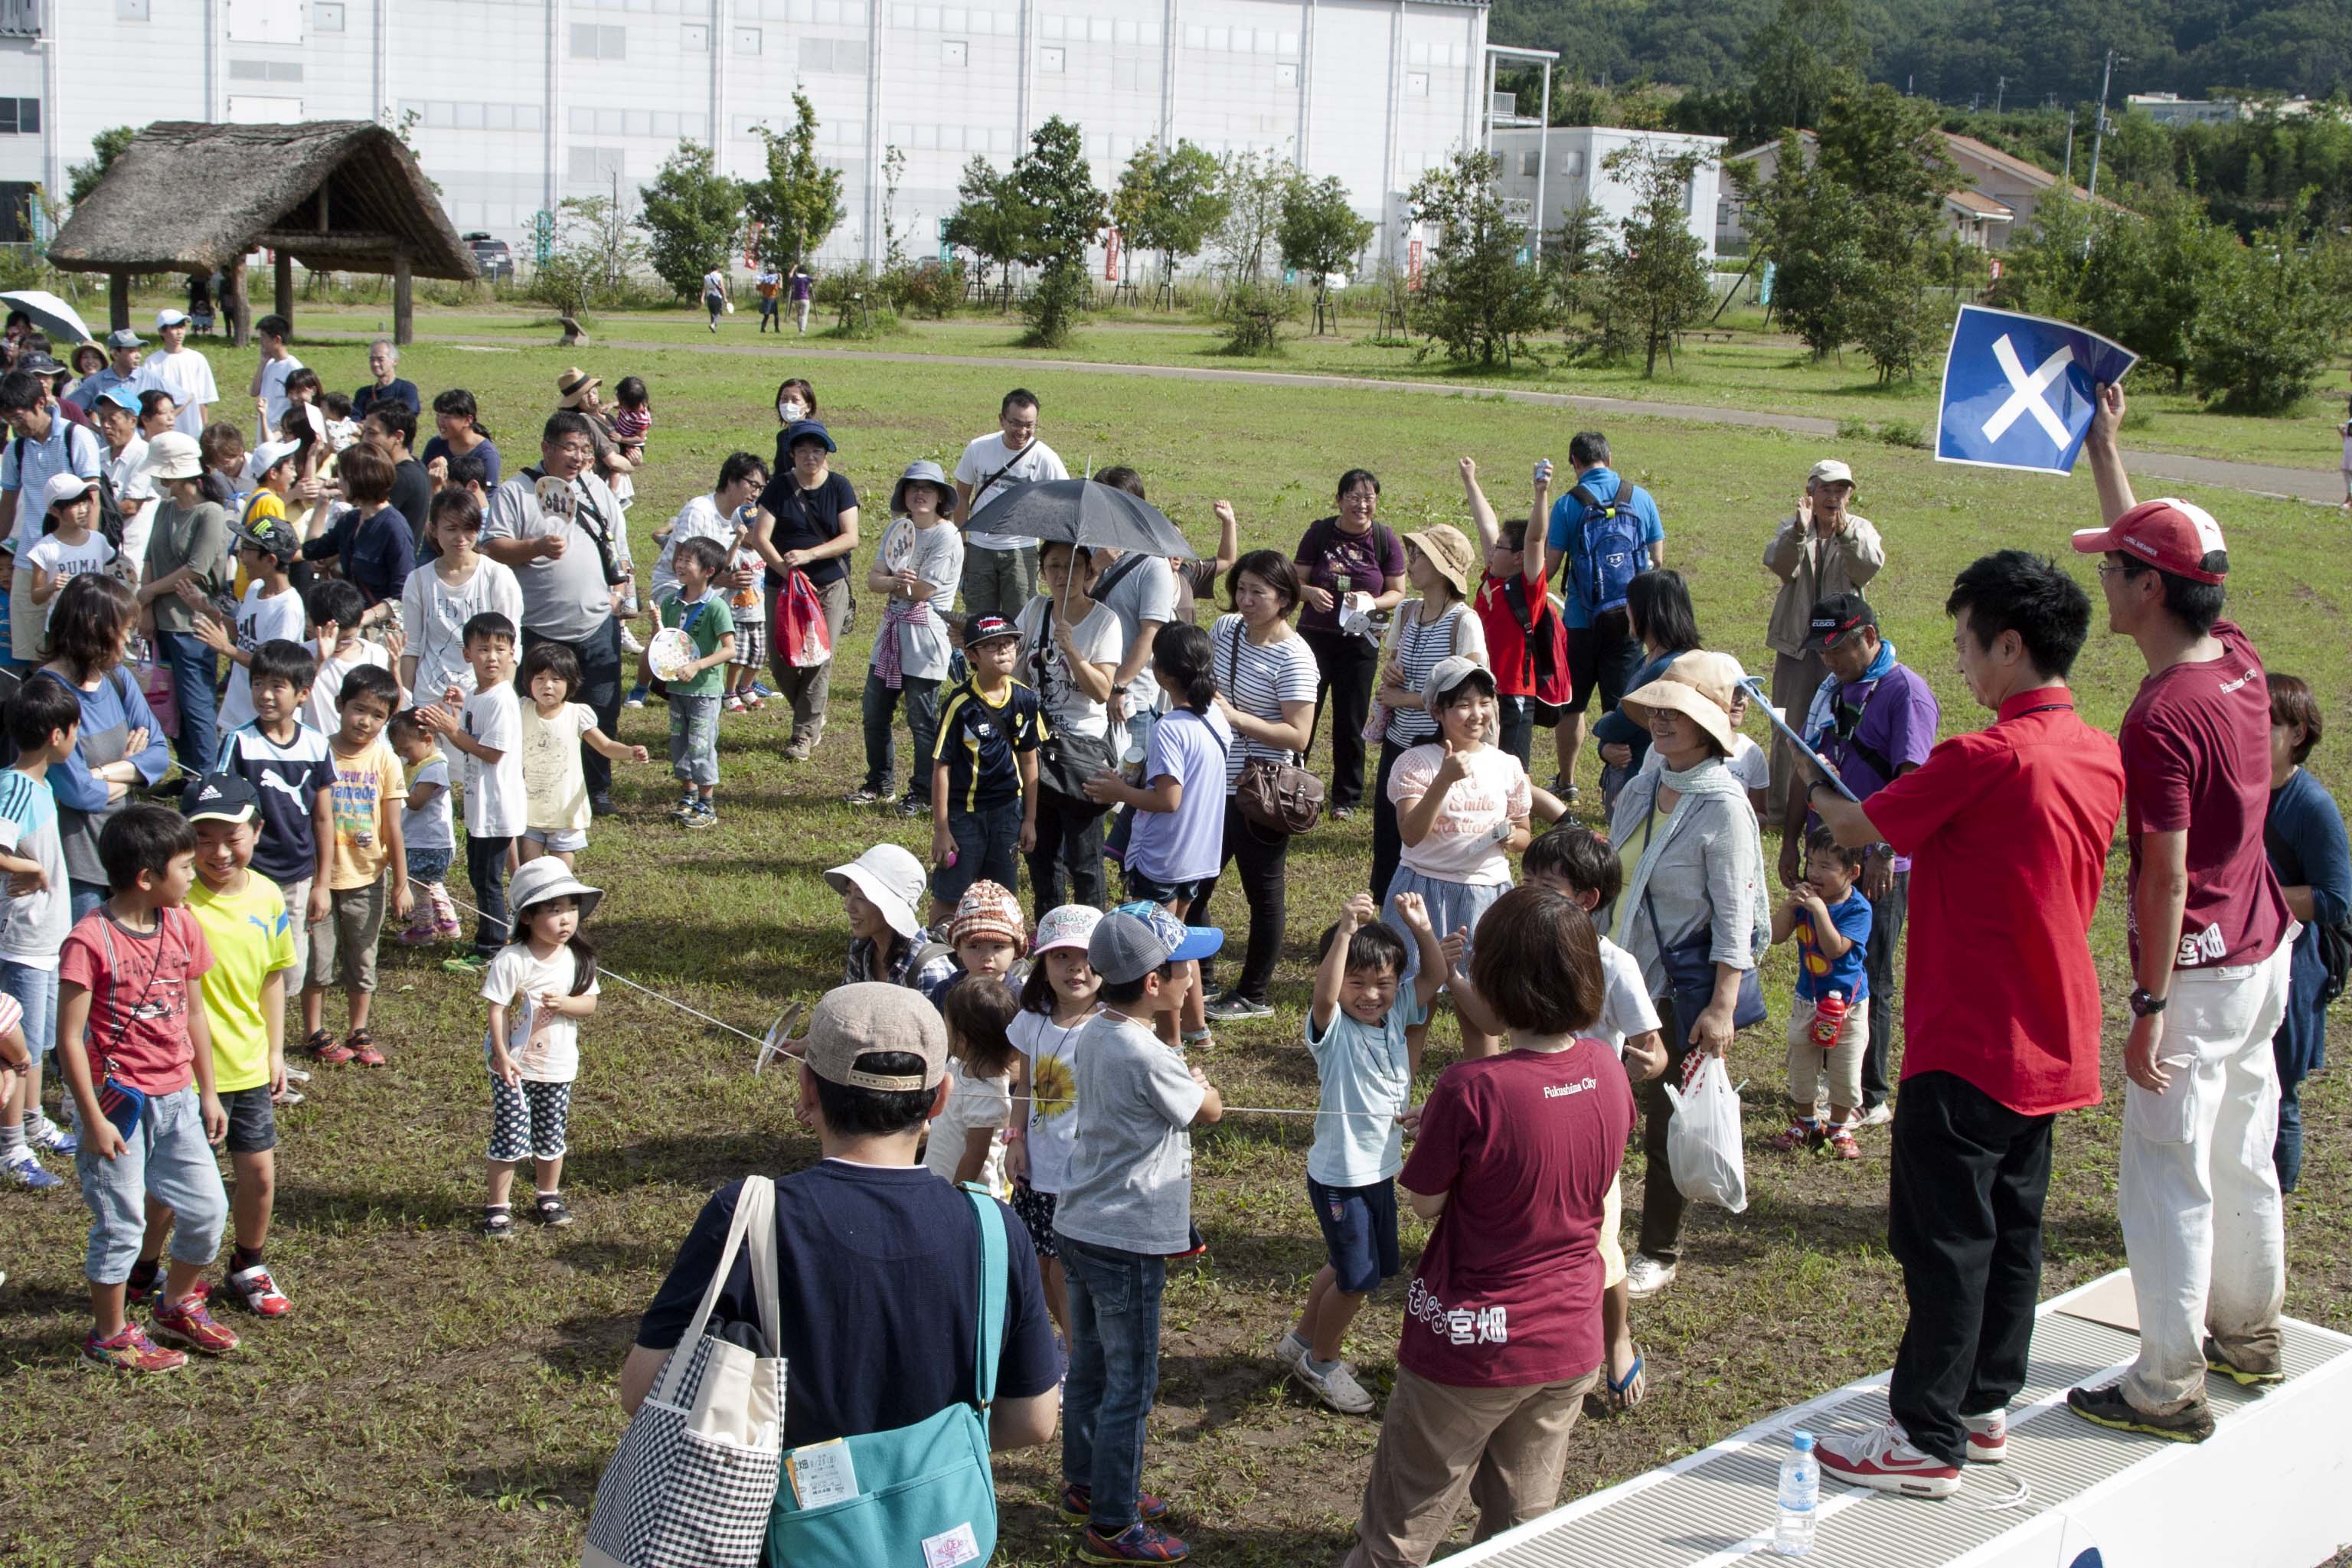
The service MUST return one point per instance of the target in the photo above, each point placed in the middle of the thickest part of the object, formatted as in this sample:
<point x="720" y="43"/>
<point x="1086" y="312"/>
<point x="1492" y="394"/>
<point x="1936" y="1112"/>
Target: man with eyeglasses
<point x="559" y="528"/>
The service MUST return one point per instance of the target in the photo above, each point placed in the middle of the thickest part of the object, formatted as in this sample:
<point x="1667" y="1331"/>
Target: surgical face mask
<point x="790" y="410"/>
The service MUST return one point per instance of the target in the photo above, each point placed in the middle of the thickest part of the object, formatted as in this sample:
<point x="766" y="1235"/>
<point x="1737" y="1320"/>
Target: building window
<point x="840" y="55"/>
<point x="1530" y="163"/>
<point x="956" y="52"/>
<point x="598" y="165"/>
<point x="131" y="10"/>
<point x="590" y="42"/>
<point x="694" y="38"/>
<point x="1286" y="76"/>
<point x="747" y="40"/>
<point x="20" y="116"/>
<point x="265" y="70"/>
<point x="1416" y="84"/>
<point x="1051" y="60"/>
<point x="1573" y="165"/>
<point x="265" y="22"/>
<point x="327" y="16"/>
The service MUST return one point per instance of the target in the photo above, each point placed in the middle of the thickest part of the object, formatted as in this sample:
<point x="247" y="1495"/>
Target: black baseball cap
<point x="220" y="798"/>
<point x="1837" y="617"/>
<point x="985" y="628"/>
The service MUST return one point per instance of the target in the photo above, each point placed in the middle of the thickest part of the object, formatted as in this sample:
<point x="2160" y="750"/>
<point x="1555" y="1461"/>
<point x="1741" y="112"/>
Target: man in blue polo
<point x="1874" y="720"/>
<point x="124" y="350"/>
<point x="1603" y="652"/>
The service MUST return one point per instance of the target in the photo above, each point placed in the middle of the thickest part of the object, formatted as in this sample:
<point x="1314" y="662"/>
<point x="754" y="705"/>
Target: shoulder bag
<point x="1690" y="967"/>
<point x="1066" y="761"/>
<point x="1273" y="796"/>
<point x="694" y="1481"/>
<point x="915" y="1495"/>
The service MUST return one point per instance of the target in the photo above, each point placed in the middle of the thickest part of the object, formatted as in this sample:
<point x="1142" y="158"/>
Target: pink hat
<point x="2169" y="534"/>
<point x="1069" y="925"/>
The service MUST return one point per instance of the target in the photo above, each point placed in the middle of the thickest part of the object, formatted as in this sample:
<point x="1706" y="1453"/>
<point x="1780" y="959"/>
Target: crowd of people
<point x="347" y="646"/>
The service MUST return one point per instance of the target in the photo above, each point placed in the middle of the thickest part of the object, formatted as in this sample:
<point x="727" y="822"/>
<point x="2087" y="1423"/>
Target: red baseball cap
<point x="2171" y="534"/>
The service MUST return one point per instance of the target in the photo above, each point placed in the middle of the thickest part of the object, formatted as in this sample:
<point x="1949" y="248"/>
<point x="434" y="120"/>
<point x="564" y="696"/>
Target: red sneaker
<point x="1139" y="1542"/>
<point x="1077" y="1504"/>
<point x="1841" y="1144"/>
<point x="323" y="1046"/>
<point x="130" y="1350"/>
<point x="1800" y="1135"/>
<point x="258" y="1292"/>
<point x="188" y="1322"/>
<point x="1987" y="1437"/>
<point x="360" y="1044"/>
<point x="1885" y="1461"/>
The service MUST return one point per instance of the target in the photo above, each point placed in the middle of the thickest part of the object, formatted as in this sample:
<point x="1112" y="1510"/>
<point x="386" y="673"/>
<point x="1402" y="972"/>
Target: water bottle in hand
<point x="1801" y="1495"/>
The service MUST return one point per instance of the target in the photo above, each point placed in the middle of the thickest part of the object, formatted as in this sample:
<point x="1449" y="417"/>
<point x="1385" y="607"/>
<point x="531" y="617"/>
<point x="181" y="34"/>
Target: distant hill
<point x="1950" y="49"/>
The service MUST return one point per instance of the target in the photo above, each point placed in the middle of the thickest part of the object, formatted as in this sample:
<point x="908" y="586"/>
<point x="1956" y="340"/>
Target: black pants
<point x="1886" y="916"/>
<point x="599" y="654"/>
<point x="1387" y="842"/>
<point x="1964" y="1219"/>
<point x="1069" y="839"/>
<point x="1661" y="1201"/>
<point x="1347" y="668"/>
<point x="1260" y="858"/>
<point x="486" y="868"/>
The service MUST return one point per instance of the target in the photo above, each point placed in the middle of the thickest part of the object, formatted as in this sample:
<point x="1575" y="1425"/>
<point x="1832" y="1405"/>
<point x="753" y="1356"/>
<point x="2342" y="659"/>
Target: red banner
<point x="1412" y="264"/>
<point x="1110" y="256"/>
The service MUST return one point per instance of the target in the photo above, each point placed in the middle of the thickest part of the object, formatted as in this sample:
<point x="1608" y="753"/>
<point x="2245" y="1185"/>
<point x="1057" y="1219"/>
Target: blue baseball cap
<point x="1135" y="939"/>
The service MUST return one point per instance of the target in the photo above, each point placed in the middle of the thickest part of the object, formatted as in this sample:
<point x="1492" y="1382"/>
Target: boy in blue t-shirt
<point x="1830" y="919"/>
<point x="44" y="722"/>
<point x="1356" y="1026"/>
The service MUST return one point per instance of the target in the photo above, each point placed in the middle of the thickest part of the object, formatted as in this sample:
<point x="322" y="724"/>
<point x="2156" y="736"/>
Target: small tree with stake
<point x="797" y="203"/>
<point x="1170" y="201"/>
<point x="988" y="220"/>
<point x="1656" y="282"/>
<point x="691" y="213"/>
<point x="1321" y="235"/>
<point x="1477" y="297"/>
<point x="1062" y="214"/>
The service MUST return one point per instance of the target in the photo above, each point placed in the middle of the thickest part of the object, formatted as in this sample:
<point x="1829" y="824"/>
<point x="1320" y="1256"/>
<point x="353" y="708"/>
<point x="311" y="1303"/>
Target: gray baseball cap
<point x="855" y="1021"/>
<point x="1135" y="939"/>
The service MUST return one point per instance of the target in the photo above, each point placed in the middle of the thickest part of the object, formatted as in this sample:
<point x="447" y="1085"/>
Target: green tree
<point x="1801" y="60"/>
<point x="1808" y="228"/>
<point x="1169" y="200"/>
<point x="2278" y="316"/>
<point x="1889" y="155"/>
<point x="593" y="254"/>
<point x="1320" y="235"/>
<point x="104" y="148"/>
<point x="797" y="201"/>
<point x="988" y="220"/>
<point x="1477" y="297"/>
<point x="692" y="214"/>
<point x="1253" y="183"/>
<point x="1062" y="214"/>
<point x="1655" y="281"/>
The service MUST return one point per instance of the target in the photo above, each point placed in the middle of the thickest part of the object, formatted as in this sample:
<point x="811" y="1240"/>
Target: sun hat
<point x="124" y="338"/>
<point x="800" y="430"/>
<point x="64" y="488"/>
<point x="1698" y="685"/>
<point x="987" y="628"/>
<point x="1447" y="550"/>
<point x="1069" y="925"/>
<point x="1449" y="673"/>
<point x="1838" y="616"/>
<point x="1135" y="939"/>
<point x="889" y="878"/>
<point x="2171" y="534"/>
<point x="168" y="317"/>
<point x="220" y="798"/>
<point x="855" y="1021"/>
<point x="574" y="384"/>
<point x="174" y="455"/>
<point x="547" y="878"/>
<point x="988" y="908"/>
<point x="921" y="472"/>
<point x="1830" y="471"/>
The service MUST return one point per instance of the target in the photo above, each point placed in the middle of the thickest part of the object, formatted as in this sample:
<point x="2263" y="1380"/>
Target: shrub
<point x="1253" y="315"/>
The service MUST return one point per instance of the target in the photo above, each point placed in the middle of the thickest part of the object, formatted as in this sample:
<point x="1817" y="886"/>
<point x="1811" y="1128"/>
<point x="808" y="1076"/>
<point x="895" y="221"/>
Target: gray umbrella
<point x="60" y="321"/>
<point x="1084" y="512"/>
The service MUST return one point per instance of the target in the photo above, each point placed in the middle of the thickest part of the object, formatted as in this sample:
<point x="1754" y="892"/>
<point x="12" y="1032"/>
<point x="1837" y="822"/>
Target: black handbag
<point x="1067" y="760"/>
<point x="1272" y="796"/>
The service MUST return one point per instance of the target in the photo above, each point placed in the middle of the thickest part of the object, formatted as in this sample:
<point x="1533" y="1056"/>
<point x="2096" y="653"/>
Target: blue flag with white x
<point x="2017" y="390"/>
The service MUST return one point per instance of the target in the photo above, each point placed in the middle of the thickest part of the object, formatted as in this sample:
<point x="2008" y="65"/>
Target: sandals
<point x="360" y="1047"/>
<point x="323" y="1047"/>
<point x="1629" y="1391"/>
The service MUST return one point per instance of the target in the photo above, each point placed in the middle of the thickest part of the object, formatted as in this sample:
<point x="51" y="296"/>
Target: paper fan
<point x="670" y="653"/>
<point x="779" y="1035"/>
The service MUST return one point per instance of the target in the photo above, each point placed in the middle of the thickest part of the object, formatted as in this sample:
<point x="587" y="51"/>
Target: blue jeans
<point x="694" y="740"/>
<point x="193" y="669"/>
<point x="35" y="991"/>
<point x="1113" y="1374"/>
<point x="923" y="698"/>
<point x="83" y="897"/>
<point x="987" y="844"/>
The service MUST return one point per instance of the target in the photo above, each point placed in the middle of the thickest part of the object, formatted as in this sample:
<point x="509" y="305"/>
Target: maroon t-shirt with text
<point x="2197" y="758"/>
<point x="1507" y="1292"/>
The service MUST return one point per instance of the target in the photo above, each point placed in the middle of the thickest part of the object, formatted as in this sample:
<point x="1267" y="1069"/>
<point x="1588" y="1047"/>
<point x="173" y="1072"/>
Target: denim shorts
<point x="1359" y="1232"/>
<point x="252" y="1120"/>
<point x="1152" y="890"/>
<point x="166" y="1157"/>
<point x="426" y="867"/>
<point x="558" y="840"/>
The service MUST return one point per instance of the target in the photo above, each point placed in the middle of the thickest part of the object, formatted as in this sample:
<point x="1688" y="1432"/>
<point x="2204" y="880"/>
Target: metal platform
<point x="2271" y="1488"/>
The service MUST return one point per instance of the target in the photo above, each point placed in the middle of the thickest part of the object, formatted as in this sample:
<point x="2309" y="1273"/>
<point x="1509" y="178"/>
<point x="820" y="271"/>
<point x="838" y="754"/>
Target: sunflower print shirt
<point x="1053" y="1095"/>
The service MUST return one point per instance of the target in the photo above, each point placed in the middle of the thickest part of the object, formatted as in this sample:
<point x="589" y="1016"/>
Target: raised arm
<point x="1482" y="515"/>
<point x="2106" y="458"/>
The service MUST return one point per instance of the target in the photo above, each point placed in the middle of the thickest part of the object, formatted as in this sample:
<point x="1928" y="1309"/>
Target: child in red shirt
<point x="1520" y="627"/>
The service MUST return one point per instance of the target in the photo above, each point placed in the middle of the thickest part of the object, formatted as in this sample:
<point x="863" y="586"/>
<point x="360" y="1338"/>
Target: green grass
<point x="435" y="1400"/>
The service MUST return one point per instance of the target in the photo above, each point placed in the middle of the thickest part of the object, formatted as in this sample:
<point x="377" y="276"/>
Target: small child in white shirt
<point x="425" y="830"/>
<point x="967" y="1138"/>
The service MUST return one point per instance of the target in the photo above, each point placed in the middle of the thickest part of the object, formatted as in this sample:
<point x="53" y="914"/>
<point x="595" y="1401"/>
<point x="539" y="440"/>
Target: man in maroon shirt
<point x="2007" y="830"/>
<point x="2208" y="950"/>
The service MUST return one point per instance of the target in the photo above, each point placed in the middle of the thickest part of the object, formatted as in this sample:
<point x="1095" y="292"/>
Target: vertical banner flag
<point x="2017" y="390"/>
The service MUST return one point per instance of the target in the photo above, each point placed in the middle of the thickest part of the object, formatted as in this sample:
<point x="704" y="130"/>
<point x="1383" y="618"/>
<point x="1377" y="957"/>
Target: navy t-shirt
<point x="878" y="1273"/>
<point x="806" y="519"/>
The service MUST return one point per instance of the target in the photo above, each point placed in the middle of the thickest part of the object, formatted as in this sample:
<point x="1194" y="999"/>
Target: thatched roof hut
<point x="340" y="195"/>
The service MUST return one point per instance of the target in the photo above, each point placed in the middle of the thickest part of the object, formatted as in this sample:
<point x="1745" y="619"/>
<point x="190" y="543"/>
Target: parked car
<point x="491" y="258"/>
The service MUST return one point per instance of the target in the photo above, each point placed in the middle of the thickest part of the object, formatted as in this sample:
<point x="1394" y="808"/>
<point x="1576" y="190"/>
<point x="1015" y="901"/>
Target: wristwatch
<point x="2145" y="1004"/>
<point x="1817" y="783"/>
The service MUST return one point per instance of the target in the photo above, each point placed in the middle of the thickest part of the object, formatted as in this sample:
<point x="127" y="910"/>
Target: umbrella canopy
<point x="1084" y="512"/>
<point x="52" y="315"/>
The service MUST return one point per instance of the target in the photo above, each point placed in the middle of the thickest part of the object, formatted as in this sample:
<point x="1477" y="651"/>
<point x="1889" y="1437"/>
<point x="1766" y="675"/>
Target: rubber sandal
<point x="360" y="1044"/>
<point x="1629" y="1391"/>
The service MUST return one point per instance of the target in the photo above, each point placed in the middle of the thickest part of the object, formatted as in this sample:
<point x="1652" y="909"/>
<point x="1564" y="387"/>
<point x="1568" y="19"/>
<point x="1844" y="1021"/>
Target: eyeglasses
<point x="2127" y="568"/>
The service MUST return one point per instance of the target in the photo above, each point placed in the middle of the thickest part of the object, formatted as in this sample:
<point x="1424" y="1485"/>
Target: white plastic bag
<point x="1703" y="1140"/>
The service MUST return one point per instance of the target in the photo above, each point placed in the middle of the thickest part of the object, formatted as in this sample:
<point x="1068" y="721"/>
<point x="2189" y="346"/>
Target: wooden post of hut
<point x="235" y="305"/>
<point x="404" y="302"/>
<point x="118" y="299"/>
<point x="282" y="277"/>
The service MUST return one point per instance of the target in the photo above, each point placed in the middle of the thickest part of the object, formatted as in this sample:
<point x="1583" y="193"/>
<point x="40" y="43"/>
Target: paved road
<point x="2318" y="485"/>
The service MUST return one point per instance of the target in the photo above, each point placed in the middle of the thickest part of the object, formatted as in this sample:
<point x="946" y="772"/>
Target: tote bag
<point x="693" y="1480"/>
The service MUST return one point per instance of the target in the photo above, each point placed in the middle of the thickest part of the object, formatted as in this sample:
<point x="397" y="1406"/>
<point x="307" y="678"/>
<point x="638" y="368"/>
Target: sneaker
<point x="1646" y="1276"/>
<point x="1840" y="1144"/>
<point x="361" y="1045"/>
<point x="44" y="1136"/>
<point x="417" y="935"/>
<point x="733" y="704"/>
<point x="131" y="1351"/>
<point x="685" y="806"/>
<point x="636" y="696"/>
<point x="751" y="700"/>
<point x="1077" y="1503"/>
<point x="136" y="1294"/>
<point x="1800" y="1135"/>
<point x="496" y="1223"/>
<point x="1139" y="1542"/>
<point x="912" y="807"/>
<point x="1988" y="1436"/>
<point x="1343" y="814"/>
<point x="1232" y="1004"/>
<point x="630" y="642"/>
<point x="762" y="688"/>
<point x="601" y="806"/>
<point x="297" y="1075"/>
<point x="22" y="1169"/>
<point x="445" y="929"/>
<point x="704" y="815"/>
<point x="799" y="751"/>
<point x="1291" y="1351"/>
<point x="866" y="794"/>
<point x="1879" y="1115"/>
<point x="258" y="1293"/>
<point x="188" y="1322"/>
<point x="324" y="1047"/>
<point x="1338" y="1388"/>
<point x="2108" y="1407"/>
<point x="551" y="1211"/>
<point x="1884" y="1461"/>
<point x="2216" y="1362"/>
<point x="286" y="1098"/>
<point x="466" y="963"/>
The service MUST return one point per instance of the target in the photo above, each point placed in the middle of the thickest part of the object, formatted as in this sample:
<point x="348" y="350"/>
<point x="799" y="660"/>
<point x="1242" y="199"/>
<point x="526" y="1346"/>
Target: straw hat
<point x="574" y="384"/>
<point x="1699" y="685"/>
<point x="1447" y="550"/>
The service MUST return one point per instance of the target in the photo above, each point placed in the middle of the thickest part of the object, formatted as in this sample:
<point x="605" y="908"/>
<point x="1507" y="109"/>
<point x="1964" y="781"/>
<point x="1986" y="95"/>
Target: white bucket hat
<point x="547" y="878"/>
<point x="890" y="876"/>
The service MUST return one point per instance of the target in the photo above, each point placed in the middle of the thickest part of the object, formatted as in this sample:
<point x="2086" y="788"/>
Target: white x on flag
<point x="2025" y="396"/>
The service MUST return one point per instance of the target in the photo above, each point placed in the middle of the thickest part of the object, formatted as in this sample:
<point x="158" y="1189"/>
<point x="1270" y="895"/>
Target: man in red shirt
<point x="2210" y="953"/>
<point x="2007" y="830"/>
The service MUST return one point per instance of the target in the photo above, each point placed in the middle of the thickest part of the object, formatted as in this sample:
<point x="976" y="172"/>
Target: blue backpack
<point x="1612" y="549"/>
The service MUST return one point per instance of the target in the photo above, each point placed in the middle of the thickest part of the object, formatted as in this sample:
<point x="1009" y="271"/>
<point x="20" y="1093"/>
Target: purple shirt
<point x="1897" y="728"/>
<point x="1327" y="551"/>
<point x="1187" y="844"/>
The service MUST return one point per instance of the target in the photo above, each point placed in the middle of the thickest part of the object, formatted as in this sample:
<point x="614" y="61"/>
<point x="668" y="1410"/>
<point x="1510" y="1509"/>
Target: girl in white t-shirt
<point x="540" y="986"/>
<point x="966" y="1137"/>
<point x="1055" y="1004"/>
<point x="554" y="788"/>
<point x="444" y="593"/>
<point x="76" y="546"/>
<point x="1462" y="809"/>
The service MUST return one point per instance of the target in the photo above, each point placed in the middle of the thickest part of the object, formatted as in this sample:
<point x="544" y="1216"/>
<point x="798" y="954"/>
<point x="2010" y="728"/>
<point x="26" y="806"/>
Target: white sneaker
<point x="1987" y="1437"/>
<point x="1884" y="1460"/>
<point x="297" y="1075"/>
<point x="629" y="643"/>
<point x="1878" y="1115"/>
<point x="1338" y="1388"/>
<point x="1646" y="1276"/>
<point x="1291" y="1351"/>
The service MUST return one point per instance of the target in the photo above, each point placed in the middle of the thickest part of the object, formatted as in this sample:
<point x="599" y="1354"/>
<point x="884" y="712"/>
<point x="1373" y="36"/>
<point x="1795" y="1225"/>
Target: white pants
<point x="2199" y="1193"/>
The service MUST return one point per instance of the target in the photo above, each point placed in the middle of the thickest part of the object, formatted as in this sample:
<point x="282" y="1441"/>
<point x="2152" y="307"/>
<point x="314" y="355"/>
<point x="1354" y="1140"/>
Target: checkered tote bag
<point x="694" y="1476"/>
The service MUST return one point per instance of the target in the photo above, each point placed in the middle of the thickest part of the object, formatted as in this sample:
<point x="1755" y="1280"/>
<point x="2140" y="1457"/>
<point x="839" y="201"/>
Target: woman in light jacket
<point x="1695" y="897"/>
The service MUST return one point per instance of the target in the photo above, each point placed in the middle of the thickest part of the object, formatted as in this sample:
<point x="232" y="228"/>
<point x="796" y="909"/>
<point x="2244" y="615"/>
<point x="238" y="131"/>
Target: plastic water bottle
<point x="1800" y="1494"/>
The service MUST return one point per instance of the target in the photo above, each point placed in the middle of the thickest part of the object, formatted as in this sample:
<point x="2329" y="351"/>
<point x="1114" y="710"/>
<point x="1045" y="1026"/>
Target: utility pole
<point x="2000" y="91"/>
<point x="2069" y="176"/>
<point x="2099" y="127"/>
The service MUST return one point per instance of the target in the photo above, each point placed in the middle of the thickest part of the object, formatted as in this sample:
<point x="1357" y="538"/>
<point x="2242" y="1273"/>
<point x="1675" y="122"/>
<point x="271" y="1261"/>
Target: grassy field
<point x="435" y="1400"/>
<point x="1747" y="368"/>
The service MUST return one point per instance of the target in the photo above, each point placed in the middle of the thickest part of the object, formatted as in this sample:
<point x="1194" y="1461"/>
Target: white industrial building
<point x="518" y="103"/>
<point x="1548" y="174"/>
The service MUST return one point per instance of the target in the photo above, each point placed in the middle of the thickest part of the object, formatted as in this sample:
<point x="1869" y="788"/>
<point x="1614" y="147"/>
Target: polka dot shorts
<point x="528" y="1118"/>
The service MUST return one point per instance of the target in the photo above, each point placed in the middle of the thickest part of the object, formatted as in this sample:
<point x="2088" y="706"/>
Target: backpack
<point x="1544" y="636"/>
<point x="1612" y="548"/>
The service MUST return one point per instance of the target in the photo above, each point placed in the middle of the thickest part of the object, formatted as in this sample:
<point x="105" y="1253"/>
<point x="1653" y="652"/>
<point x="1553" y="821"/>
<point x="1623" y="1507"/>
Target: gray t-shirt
<point x="1145" y="591"/>
<point x="1130" y="1185"/>
<point x="566" y="598"/>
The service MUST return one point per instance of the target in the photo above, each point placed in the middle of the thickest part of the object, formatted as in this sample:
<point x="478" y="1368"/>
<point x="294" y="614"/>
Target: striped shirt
<point x="980" y="740"/>
<point x="1420" y="649"/>
<point x="1258" y="678"/>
